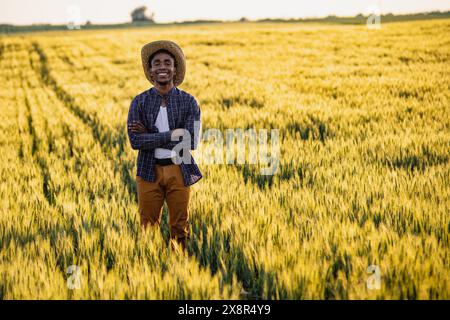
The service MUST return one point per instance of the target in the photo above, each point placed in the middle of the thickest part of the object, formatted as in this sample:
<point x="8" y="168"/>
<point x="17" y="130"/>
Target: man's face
<point x="162" y="68"/>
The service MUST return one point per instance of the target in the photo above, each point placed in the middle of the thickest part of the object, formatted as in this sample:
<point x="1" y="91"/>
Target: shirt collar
<point x="154" y="91"/>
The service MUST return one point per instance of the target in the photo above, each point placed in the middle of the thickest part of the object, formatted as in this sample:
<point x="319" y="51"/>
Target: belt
<point x="164" y="162"/>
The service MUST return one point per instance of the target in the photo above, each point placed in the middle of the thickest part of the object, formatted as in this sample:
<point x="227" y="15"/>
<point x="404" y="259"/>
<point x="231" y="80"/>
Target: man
<point x="158" y="118"/>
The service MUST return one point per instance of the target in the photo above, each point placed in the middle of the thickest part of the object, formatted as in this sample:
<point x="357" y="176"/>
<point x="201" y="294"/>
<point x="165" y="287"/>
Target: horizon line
<point x="235" y="20"/>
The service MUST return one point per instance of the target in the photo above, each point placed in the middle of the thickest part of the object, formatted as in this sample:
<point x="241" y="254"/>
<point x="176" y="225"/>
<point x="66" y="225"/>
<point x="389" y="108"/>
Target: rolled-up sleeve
<point x="144" y="141"/>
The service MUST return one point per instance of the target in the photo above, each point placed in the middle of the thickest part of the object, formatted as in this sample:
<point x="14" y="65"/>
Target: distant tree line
<point x="140" y="18"/>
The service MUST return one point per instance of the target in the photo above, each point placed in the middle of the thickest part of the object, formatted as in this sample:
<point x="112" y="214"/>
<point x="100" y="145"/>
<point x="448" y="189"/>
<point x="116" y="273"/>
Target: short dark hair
<point x="162" y="51"/>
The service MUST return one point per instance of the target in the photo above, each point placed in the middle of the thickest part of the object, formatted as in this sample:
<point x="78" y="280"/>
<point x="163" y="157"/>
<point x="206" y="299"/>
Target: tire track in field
<point x="101" y="133"/>
<point x="51" y="195"/>
<point x="35" y="142"/>
<point x="29" y="153"/>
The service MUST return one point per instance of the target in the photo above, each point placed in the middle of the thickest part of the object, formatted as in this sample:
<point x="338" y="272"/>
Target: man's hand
<point x="138" y="127"/>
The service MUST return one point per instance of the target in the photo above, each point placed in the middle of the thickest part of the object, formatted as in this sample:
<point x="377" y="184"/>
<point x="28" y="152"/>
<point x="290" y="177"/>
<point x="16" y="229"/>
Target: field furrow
<point x="106" y="137"/>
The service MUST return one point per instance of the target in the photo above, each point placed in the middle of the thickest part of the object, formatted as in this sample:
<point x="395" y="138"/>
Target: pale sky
<point x="117" y="11"/>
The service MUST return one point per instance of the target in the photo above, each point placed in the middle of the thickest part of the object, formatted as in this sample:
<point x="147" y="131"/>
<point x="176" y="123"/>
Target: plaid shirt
<point x="182" y="111"/>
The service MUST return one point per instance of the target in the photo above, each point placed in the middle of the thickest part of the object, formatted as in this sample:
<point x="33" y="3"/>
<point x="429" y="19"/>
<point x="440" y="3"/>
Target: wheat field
<point x="363" y="180"/>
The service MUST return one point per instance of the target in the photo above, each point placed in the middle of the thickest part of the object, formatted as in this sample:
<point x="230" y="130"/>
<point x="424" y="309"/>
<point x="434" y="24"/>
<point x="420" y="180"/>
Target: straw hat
<point x="174" y="49"/>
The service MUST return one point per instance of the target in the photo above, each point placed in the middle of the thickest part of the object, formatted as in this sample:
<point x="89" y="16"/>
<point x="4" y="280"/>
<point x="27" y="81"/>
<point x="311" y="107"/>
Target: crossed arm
<point x="141" y="139"/>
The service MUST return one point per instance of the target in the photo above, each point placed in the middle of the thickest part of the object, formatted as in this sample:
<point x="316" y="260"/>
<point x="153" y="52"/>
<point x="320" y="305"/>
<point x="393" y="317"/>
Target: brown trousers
<point x="168" y="186"/>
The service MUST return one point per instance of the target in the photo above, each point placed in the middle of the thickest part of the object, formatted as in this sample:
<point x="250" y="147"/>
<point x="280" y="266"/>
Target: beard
<point x="163" y="82"/>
